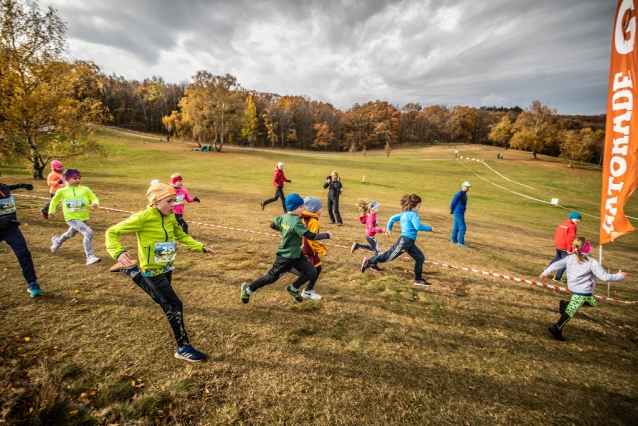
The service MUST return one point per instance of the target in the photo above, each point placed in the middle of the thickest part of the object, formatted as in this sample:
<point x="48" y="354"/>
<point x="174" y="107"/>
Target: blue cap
<point x="312" y="204"/>
<point x="293" y="202"/>
<point x="575" y="215"/>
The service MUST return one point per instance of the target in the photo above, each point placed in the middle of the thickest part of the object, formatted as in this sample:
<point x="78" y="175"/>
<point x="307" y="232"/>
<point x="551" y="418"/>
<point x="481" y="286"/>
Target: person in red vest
<point x="563" y="240"/>
<point x="278" y="180"/>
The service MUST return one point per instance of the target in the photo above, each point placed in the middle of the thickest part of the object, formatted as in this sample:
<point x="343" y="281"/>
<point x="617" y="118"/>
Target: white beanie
<point x="280" y="165"/>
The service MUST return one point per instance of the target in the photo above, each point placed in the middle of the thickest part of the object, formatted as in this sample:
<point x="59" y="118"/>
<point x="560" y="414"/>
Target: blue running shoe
<point x="34" y="289"/>
<point x="131" y="271"/>
<point x="189" y="353"/>
<point x="461" y="245"/>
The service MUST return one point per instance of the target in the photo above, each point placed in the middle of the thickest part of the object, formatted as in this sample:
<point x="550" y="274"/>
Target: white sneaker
<point x="310" y="294"/>
<point x="56" y="246"/>
<point x="92" y="259"/>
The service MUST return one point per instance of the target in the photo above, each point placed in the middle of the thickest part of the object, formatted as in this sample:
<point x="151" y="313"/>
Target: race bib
<point x="73" y="206"/>
<point x="165" y="252"/>
<point x="179" y="199"/>
<point x="7" y="205"/>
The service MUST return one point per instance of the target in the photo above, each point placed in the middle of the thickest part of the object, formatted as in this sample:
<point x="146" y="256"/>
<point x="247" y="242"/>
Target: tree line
<point x="50" y="106"/>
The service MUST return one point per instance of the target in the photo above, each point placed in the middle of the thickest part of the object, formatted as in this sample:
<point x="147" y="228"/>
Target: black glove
<point x="27" y="186"/>
<point x="289" y="181"/>
<point x="451" y="211"/>
<point x="196" y="200"/>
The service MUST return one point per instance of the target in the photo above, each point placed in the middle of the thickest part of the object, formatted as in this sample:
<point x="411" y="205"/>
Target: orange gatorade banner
<point x="620" y="162"/>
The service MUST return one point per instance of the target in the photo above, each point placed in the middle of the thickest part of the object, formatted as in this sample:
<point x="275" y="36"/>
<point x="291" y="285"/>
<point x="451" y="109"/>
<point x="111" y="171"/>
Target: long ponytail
<point x="581" y="249"/>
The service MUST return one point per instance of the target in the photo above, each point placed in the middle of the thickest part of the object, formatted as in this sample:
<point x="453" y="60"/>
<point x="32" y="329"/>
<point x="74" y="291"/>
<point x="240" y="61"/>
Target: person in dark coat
<point x="333" y="182"/>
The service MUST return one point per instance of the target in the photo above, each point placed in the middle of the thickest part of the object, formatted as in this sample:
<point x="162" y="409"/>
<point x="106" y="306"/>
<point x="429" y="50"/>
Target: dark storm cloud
<point x="451" y="52"/>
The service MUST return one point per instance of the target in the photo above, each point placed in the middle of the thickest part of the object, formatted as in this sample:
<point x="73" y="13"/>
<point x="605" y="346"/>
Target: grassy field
<point x="376" y="350"/>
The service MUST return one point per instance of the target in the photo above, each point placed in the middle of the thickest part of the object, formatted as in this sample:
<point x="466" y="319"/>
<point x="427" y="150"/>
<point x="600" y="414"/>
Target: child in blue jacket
<point x="410" y="225"/>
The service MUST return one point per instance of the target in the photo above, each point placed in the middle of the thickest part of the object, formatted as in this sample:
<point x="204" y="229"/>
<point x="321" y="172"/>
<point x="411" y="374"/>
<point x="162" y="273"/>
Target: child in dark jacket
<point x="369" y="209"/>
<point x="410" y="226"/>
<point x="582" y="271"/>
<point x="289" y="253"/>
<point x="11" y="234"/>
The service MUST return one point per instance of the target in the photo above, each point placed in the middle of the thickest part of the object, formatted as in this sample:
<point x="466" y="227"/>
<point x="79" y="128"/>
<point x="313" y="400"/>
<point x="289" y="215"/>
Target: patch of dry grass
<point x="375" y="350"/>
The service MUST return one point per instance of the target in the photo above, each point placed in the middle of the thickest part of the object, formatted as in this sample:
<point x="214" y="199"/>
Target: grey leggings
<point x="76" y="226"/>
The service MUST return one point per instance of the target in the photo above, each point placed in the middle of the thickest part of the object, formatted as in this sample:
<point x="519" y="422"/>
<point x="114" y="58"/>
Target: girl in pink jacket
<point x="181" y="197"/>
<point x="369" y="209"/>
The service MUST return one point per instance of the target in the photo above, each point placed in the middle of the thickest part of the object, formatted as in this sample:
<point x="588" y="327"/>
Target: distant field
<point x="469" y="350"/>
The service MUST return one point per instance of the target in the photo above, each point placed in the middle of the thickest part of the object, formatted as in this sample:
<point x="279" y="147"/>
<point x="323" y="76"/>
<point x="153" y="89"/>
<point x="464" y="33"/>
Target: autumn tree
<point x="47" y="104"/>
<point x="535" y="129"/>
<point x="502" y="132"/>
<point x="324" y="136"/>
<point x="271" y="128"/>
<point x="579" y="145"/>
<point x="249" y="130"/>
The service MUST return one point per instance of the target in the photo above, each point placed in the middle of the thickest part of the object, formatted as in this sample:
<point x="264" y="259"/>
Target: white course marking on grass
<point x="506" y="178"/>
<point x="445" y="265"/>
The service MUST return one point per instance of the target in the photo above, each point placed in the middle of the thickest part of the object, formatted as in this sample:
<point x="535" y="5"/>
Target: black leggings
<point x="45" y="209"/>
<point x="160" y="289"/>
<point x="333" y="204"/>
<point x="279" y="193"/>
<point x="312" y="282"/>
<point x="307" y="272"/>
<point x="181" y="222"/>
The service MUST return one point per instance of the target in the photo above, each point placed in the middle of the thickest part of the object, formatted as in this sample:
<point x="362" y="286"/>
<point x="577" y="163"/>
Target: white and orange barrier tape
<point x="444" y="265"/>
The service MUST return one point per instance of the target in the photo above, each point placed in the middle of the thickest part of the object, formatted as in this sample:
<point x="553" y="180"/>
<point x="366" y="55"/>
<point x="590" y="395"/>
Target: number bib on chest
<point x="73" y="206"/>
<point x="179" y="199"/>
<point x="7" y="205"/>
<point x="165" y="252"/>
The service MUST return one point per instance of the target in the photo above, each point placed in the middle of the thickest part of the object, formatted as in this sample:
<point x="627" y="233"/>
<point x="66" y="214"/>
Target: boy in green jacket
<point x="157" y="231"/>
<point x="289" y="254"/>
<point x="76" y="199"/>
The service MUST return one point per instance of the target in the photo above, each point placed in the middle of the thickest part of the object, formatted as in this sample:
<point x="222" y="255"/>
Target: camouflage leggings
<point x="574" y="304"/>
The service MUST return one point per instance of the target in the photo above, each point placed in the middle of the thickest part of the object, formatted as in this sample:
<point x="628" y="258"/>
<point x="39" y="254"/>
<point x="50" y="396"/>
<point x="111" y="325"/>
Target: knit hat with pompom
<point x="158" y="191"/>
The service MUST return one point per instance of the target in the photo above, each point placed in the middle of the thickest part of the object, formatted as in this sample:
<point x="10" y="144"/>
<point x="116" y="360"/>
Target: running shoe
<point x="355" y="247"/>
<point x="34" y="289"/>
<point x="422" y="283"/>
<point x="461" y="245"/>
<point x="55" y="244"/>
<point x="557" y="333"/>
<point x="132" y="270"/>
<point x="294" y="293"/>
<point x="92" y="259"/>
<point x="376" y="268"/>
<point x="310" y="294"/>
<point x="245" y="297"/>
<point x="365" y="264"/>
<point x="189" y="353"/>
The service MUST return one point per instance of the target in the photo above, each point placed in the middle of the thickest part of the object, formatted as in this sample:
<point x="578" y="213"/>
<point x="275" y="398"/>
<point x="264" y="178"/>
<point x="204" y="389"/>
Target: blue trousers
<point x="560" y="254"/>
<point x="458" y="230"/>
<point x="403" y="245"/>
<point x="18" y="244"/>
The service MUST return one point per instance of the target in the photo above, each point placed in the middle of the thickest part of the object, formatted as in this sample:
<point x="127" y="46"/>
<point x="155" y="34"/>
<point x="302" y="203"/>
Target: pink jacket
<point x="182" y="195"/>
<point x="370" y="221"/>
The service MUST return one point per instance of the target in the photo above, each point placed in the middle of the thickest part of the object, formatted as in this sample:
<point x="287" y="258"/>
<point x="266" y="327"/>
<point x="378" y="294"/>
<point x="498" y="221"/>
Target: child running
<point x="75" y="200"/>
<point x="157" y="231"/>
<point x="289" y="253"/>
<point x="581" y="273"/>
<point x="11" y="234"/>
<point x="369" y="209"/>
<point x="181" y="195"/>
<point x="312" y="249"/>
<point x="53" y="180"/>
<point x="410" y="225"/>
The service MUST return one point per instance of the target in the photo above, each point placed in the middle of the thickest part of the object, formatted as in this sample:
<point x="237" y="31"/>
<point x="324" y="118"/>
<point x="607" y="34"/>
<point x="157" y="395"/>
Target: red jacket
<point x="279" y="177"/>
<point x="564" y="236"/>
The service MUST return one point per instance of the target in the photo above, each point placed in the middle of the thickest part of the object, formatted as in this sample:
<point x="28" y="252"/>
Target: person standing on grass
<point x="333" y="183"/>
<point x="181" y="196"/>
<point x="278" y="180"/>
<point x="75" y="204"/>
<point x="289" y="253"/>
<point x="457" y="208"/>
<point x="11" y="234"/>
<point x="157" y="232"/>
<point x="53" y="180"/>
<point x="582" y="271"/>
<point x="369" y="209"/>
<point x="563" y="240"/>
<point x="410" y="226"/>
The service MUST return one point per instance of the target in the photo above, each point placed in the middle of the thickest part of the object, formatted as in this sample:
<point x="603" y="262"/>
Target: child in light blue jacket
<point x="410" y="226"/>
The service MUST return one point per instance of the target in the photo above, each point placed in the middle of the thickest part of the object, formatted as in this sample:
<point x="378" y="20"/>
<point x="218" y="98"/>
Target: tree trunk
<point x="38" y="168"/>
<point x="534" y="154"/>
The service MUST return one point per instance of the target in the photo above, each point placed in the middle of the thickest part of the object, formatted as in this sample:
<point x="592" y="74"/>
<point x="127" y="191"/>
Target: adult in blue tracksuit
<point x="457" y="208"/>
<point x="410" y="226"/>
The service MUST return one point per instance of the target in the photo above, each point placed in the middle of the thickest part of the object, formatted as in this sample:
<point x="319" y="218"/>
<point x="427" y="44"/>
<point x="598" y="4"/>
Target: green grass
<point x="375" y="350"/>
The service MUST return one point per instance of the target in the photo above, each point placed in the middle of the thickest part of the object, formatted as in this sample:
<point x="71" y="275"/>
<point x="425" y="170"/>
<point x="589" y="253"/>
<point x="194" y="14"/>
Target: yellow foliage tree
<point x="48" y="106"/>
<point x="502" y="132"/>
<point x="535" y="128"/>
<point x="249" y="131"/>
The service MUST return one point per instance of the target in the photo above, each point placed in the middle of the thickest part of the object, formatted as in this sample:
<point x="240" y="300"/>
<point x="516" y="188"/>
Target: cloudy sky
<point x="478" y="52"/>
